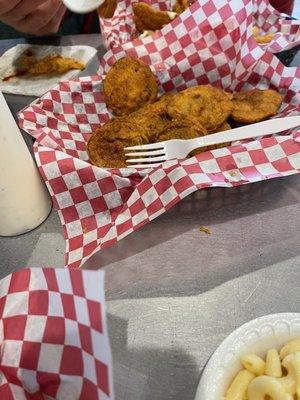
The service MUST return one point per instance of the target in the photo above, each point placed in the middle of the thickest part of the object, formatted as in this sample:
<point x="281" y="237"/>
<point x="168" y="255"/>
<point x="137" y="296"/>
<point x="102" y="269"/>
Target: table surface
<point x="174" y="292"/>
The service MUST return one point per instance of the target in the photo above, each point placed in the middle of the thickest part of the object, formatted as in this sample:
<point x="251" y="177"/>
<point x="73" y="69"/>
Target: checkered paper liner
<point x="53" y="336"/>
<point x="99" y="206"/>
<point x="121" y="29"/>
<point x="268" y="19"/>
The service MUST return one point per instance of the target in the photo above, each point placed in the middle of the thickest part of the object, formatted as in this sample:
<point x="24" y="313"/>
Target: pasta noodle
<point x="292" y="365"/>
<point x="254" y="364"/>
<point x="264" y="386"/>
<point x="273" y="364"/>
<point x="291" y="347"/>
<point x="239" y="385"/>
<point x="263" y="379"/>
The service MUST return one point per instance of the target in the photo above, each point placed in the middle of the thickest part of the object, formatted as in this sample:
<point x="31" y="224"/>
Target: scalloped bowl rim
<point x="253" y="336"/>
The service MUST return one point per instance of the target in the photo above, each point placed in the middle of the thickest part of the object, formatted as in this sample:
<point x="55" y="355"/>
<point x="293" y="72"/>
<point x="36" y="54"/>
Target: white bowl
<point x="257" y="336"/>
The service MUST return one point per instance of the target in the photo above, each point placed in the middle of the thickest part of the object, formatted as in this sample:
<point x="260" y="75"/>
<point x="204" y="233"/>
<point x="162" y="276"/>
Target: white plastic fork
<point x="152" y="155"/>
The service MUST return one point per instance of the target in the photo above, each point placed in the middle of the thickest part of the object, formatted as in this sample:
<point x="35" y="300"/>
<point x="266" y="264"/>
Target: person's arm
<point x="38" y="17"/>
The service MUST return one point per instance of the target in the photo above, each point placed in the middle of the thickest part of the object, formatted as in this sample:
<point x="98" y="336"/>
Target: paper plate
<point x="38" y="85"/>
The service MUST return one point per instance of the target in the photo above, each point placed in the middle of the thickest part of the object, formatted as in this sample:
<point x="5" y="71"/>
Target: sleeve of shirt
<point x="73" y="24"/>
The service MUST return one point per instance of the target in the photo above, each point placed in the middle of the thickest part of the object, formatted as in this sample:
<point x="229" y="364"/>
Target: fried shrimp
<point x="210" y="105"/>
<point x="255" y="105"/>
<point x="129" y="85"/>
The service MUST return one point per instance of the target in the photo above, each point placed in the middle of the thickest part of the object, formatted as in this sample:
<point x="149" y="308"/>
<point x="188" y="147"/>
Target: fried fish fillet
<point x="210" y="105"/>
<point x="47" y="65"/>
<point x="129" y="85"/>
<point x="147" y="18"/>
<point x="255" y="105"/>
<point x="106" y="145"/>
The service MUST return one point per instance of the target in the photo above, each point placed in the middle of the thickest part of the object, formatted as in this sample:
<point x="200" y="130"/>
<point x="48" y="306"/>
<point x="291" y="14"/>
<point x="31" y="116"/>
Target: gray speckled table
<point x="173" y="292"/>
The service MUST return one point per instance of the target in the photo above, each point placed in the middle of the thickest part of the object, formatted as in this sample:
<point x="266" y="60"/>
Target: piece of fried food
<point x="129" y="85"/>
<point x="262" y="39"/>
<point x="148" y="18"/>
<point x="124" y="129"/>
<point x="107" y="9"/>
<point x="255" y="105"/>
<point x="106" y="145"/>
<point x="48" y="65"/>
<point x="224" y="127"/>
<point x="210" y="105"/>
<point x="106" y="154"/>
<point x="153" y="118"/>
<point x="183" y="128"/>
<point x="265" y="38"/>
<point x="181" y="5"/>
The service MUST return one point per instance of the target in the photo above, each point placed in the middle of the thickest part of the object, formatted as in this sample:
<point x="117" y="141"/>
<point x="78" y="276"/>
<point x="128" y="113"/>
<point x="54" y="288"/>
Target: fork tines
<point x="149" y="155"/>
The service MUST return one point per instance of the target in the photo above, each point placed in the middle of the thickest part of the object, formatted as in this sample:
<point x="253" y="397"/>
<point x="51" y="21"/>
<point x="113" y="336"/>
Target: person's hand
<point x="38" y="17"/>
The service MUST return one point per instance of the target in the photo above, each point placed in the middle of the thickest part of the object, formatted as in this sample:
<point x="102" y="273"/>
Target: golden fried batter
<point x="181" y="5"/>
<point x="106" y="145"/>
<point x="224" y="127"/>
<point x="255" y="105"/>
<point x="153" y="118"/>
<point x="106" y="154"/>
<point x="183" y="128"/>
<point x="47" y="65"/>
<point x="210" y="105"/>
<point x="128" y="86"/>
<point x="123" y="129"/>
<point x="107" y="9"/>
<point x="148" y="18"/>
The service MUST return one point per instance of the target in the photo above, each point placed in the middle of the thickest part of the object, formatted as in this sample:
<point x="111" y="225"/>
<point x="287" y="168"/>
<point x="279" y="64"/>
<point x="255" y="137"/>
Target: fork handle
<point x="264" y="128"/>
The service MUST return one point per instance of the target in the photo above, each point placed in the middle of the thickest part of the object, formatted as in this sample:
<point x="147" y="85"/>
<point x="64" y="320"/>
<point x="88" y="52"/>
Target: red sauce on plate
<point x="18" y="73"/>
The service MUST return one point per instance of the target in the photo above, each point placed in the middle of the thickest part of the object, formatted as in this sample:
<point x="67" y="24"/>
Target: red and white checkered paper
<point x="121" y="28"/>
<point x="268" y="19"/>
<point x="53" y="336"/>
<point x="97" y="206"/>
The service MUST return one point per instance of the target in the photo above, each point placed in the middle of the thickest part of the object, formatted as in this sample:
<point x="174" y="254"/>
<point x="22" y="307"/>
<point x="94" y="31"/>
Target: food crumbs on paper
<point x="233" y="173"/>
<point x="204" y="229"/>
<point x="85" y="230"/>
<point x="262" y="38"/>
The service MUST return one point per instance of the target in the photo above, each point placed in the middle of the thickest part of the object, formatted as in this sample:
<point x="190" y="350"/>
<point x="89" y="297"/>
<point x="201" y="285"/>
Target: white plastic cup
<point x="24" y="200"/>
